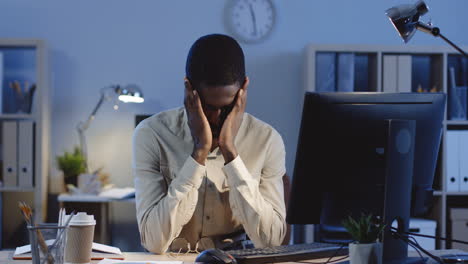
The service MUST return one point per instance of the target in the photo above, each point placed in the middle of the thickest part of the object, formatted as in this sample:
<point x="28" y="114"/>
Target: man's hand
<point x="232" y="123"/>
<point x="199" y="126"/>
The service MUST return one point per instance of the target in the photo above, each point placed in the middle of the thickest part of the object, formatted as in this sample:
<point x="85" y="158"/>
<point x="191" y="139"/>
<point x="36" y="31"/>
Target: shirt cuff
<point x="236" y="172"/>
<point x="191" y="173"/>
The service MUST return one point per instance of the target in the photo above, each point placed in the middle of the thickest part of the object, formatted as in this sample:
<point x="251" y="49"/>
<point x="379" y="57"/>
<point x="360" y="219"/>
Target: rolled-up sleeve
<point x="162" y="208"/>
<point x="259" y="205"/>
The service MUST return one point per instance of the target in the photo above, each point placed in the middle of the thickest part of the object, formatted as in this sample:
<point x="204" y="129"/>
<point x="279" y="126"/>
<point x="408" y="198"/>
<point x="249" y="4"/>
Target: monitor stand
<point x="399" y="153"/>
<point x="398" y="186"/>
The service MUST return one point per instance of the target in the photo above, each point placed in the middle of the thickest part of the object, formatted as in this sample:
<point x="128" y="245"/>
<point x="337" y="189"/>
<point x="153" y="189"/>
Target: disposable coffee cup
<point x="80" y="239"/>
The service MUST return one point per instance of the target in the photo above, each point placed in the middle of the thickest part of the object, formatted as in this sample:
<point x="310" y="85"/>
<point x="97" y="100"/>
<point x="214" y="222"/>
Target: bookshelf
<point x="383" y="68"/>
<point x="24" y="170"/>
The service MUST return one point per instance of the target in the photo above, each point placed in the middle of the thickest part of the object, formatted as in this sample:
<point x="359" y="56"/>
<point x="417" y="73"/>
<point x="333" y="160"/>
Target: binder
<point x="404" y="74"/>
<point x="345" y="76"/>
<point x="10" y="153"/>
<point x="453" y="168"/>
<point x="390" y="73"/>
<point x="25" y="153"/>
<point x="397" y="73"/>
<point x="325" y="71"/>
<point x="463" y="179"/>
<point x="1" y="82"/>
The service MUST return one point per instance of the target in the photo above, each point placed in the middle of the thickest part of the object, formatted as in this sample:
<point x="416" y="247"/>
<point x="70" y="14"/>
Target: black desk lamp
<point x="405" y="20"/>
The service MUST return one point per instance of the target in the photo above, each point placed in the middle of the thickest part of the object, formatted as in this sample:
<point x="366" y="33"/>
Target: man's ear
<point x="187" y="84"/>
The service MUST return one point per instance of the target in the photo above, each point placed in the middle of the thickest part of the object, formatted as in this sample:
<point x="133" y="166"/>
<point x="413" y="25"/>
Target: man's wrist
<point x="229" y="154"/>
<point x="199" y="155"/>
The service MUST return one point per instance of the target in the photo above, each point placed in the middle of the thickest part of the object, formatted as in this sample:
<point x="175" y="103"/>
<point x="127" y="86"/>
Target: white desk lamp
<point x="127" y="94"/>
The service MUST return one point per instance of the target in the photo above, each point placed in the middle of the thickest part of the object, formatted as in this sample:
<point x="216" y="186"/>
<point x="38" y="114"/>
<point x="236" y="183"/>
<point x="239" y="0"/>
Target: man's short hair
<point x="215" y="60"/>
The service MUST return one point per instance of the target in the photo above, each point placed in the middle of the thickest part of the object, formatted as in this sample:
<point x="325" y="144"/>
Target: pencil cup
<point x="47" y="243"/>
<point x="80" y="239"/>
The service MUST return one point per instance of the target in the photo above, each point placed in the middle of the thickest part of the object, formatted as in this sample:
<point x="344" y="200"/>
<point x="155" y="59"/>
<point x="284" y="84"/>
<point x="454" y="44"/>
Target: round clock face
<point x="251" y="20"/>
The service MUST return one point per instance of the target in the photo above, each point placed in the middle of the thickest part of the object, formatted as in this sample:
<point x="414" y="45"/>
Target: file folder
<point x="1" y="82"/>
<point x="345" y="76"/>
<point x="453" y="165"/>
<point x="25" y="153"/>
<point x="397" y="73"/>
<point x="390" y="73"/>
<point x="404" y="73"/>
<point x="325" y="72"/>
<point x="10" y="153"/>
<point x="463" y="145"/>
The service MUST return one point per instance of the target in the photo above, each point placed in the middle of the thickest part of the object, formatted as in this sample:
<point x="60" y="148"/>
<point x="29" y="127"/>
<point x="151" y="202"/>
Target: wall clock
<point x="250" y="21"/>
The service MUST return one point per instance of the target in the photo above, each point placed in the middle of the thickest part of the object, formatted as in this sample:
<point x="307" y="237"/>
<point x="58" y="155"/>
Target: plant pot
<point x="365" y="253"/>
<point x="71" y="180"/>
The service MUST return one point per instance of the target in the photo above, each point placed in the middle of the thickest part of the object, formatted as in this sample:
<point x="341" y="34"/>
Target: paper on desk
<point x="118" y="193"/>
<point x="96" y="247"/>
<point x="113" y="261"/>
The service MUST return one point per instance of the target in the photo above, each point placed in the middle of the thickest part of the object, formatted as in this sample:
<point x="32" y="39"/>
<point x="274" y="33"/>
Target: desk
<point x="80" y="202"/>
<point x="6" y="257"/>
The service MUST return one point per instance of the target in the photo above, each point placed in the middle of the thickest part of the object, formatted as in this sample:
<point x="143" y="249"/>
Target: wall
<point x="97" y="43"/>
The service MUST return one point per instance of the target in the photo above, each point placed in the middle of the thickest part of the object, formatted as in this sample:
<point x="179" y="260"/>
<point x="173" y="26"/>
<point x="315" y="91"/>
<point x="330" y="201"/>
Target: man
<point x="208" y="172"/>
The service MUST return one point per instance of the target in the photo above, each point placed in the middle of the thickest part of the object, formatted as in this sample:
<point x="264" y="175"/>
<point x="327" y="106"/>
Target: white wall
<point x="96" y="43"/>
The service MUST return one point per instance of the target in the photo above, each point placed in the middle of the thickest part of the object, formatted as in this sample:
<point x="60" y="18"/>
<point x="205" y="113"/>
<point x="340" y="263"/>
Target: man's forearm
<point x="162" y="214"/>
<point x="261" y="213"/>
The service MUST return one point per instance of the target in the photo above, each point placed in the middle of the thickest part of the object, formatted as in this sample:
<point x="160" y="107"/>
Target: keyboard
<point x="288" y="253"/>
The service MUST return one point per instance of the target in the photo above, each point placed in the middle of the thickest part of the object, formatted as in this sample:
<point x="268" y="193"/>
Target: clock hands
<point x="254" y="20"/>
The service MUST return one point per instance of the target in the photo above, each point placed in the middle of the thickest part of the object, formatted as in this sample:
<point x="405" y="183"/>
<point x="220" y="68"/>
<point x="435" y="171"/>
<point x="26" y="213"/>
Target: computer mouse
<point x="215" y="256"/>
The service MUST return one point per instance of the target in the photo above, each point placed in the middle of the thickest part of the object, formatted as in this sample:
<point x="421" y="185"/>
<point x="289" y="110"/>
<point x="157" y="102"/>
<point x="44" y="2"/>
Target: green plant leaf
<point x="363" y="229"/>
<point x="72" y="164"/>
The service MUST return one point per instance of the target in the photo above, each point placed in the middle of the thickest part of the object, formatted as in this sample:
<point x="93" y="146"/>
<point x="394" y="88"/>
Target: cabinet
<point x="380" y="68"/>
<point x="24" y="128"/>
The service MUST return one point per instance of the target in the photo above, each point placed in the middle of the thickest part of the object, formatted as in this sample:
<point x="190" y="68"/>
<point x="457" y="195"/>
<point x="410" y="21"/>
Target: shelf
<point x="457" y="122"/>
<point x="16" y="189"/>
<point x="457" y="193"/>
<point x="16" y="116"/>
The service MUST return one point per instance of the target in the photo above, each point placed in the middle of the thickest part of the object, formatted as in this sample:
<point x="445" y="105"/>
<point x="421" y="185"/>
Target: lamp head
<point x="130" y="93"/>
<point x="405" y="18"/>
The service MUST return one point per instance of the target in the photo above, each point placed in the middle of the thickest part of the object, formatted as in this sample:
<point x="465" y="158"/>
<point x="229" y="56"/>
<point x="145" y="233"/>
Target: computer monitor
<point x="352" y="146"/>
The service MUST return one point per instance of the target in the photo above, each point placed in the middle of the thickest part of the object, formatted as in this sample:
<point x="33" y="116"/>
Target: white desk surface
<point x="6" y="257"/>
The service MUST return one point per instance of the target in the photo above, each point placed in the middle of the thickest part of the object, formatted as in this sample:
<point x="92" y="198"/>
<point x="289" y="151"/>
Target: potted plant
<point x="72" y="164"/>
<point x="366" y="232"/>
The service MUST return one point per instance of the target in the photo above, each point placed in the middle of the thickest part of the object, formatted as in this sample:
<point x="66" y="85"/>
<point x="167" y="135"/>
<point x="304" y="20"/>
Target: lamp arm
<point x="435" y="31"/>
<point x="453" y="45"/>
<point x="83" y="126"/>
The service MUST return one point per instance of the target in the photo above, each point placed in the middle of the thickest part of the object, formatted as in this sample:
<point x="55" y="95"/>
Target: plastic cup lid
<point x="82" y="219"/>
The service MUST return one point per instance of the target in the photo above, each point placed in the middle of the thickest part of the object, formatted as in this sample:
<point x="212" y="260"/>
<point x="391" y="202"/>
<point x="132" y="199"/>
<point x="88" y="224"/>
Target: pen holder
<point x="47" y="243"/>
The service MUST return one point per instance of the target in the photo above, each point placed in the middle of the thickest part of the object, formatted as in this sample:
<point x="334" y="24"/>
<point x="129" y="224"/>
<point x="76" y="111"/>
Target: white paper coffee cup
<point x="80" y="239"/>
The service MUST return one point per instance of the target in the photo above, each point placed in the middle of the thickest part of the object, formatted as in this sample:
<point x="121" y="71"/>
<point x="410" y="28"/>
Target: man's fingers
<point x="197" y="102"/>
<point x="246" y="84"/>
<point x="189" y="94"/>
